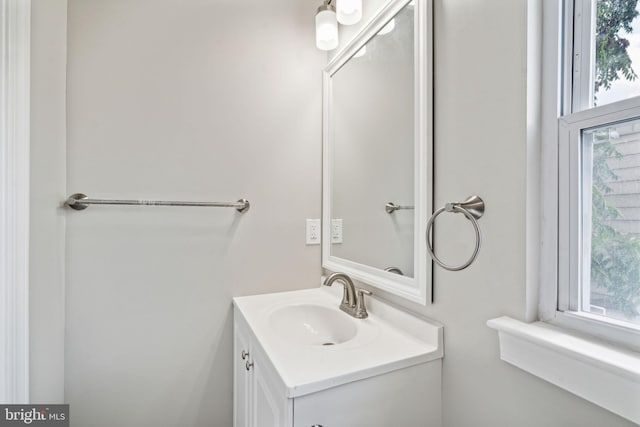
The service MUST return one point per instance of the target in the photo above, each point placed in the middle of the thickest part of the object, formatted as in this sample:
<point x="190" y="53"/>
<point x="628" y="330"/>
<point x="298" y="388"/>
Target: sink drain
<point x="328" y="343"/>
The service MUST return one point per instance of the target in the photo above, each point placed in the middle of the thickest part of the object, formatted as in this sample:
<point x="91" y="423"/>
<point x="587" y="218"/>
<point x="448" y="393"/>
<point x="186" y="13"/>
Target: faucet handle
<point x="361" y="309"/>
<point x="364" y="291"/>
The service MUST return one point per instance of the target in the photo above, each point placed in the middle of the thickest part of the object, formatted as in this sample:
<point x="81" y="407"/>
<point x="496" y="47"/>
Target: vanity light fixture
<point x="361" y="52"/>
<point x="388" y="28"/>
<point x="326" y="26"/>
<point x="349" y="11"/>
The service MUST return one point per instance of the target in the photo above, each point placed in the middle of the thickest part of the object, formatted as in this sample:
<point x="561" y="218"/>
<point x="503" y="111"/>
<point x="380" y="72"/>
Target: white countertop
<point x="387" y="340"/>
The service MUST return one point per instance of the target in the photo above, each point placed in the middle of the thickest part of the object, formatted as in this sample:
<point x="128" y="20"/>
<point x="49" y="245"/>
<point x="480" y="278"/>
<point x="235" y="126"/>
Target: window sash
<point x="582" y="56"/>
<point x="571" y="250"/>
<point x="566" y="111"/>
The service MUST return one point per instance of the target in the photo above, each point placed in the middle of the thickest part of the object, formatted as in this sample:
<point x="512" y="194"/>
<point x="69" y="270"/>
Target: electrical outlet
<point x="313" y="231"/>
<point x="336" y="231"/>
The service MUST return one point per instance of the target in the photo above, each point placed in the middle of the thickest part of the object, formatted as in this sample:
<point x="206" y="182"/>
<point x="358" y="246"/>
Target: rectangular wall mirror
<point x="377" y="152"/>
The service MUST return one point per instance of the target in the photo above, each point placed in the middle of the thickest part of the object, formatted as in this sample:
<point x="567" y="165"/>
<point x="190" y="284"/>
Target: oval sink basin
<point x="310" y="324"/>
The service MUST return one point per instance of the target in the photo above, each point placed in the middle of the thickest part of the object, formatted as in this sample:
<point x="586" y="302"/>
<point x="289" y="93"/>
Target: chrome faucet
<point x="352" y="301"/>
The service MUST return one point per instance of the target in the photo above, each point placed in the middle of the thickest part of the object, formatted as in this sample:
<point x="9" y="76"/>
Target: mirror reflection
<point x="372" y="151"/>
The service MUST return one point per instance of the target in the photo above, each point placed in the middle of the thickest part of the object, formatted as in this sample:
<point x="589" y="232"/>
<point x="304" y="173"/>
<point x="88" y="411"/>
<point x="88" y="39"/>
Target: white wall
<point x="191" y="100"/>
<point x="480" y="148"/>
<point x="48" y="174"/>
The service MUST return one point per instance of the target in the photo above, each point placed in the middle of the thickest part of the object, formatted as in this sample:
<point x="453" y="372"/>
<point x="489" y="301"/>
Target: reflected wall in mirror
<point x="372" y="150"/>
<point x="377" y="152"/>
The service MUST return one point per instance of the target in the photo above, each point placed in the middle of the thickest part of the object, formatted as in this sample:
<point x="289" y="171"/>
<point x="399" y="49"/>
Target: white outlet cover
<point x="313" y="234"/>
<point x="336" y="231"/>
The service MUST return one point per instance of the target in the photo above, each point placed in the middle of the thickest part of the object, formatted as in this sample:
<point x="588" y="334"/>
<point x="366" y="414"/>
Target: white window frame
<point x="567" y="87"/>
<point x="15" y="30"/>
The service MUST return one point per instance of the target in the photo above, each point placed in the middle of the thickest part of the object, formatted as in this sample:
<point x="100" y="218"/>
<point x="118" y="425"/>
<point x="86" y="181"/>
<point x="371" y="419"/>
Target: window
<point x="588" y="169"/>
<point x="606" y="52"/>
<point x="598" y="155"/>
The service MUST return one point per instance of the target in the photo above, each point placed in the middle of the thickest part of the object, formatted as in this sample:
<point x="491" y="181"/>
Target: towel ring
<point x="473" y="209"/>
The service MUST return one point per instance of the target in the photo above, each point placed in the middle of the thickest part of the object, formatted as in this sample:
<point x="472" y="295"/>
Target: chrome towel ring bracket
<point x="473" y="209"/>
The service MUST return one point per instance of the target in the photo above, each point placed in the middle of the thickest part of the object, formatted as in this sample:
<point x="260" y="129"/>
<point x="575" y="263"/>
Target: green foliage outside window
<point x="612" y="59"/>
<point x="615" y="256"/>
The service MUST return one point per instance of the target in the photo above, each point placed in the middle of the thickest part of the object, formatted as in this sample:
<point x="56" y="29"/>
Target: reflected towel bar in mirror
<point x="81" y="201"/>
<point x="394" y="270"/>
<point x="392" y="207"/>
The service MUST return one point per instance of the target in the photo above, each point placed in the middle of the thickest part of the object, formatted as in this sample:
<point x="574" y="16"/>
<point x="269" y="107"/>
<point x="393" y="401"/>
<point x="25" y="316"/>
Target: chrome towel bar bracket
<point x="81" y="201"/>
<point x="473" y="209"/>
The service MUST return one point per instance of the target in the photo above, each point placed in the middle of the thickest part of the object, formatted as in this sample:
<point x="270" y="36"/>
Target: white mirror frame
<point x="418" y="288"/>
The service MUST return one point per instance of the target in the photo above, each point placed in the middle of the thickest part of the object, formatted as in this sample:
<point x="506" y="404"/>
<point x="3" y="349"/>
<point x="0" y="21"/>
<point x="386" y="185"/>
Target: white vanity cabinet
<point x="258" y="396"/>
<point x="408" y="397"/>
<point x="277" y="384"/>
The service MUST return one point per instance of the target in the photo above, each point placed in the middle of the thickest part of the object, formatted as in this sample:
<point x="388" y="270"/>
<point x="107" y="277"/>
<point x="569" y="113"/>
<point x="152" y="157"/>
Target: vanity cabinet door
<point x="241" y="377"/>
<point x="269" y="404"/>
<point x="259" y="397"/>
<point x="408" y="397"/>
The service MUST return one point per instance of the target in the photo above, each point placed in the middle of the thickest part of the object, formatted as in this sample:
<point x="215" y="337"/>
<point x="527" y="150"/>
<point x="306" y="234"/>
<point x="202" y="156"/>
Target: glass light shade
<point x="326" y="29"/>
<point x="388" y="28"/>
<point x="361" y="52"/>
<point x="349" y="11"/>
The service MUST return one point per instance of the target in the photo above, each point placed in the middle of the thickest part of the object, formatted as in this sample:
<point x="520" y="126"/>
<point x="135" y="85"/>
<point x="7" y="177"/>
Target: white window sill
<point x="603" y="374"/>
